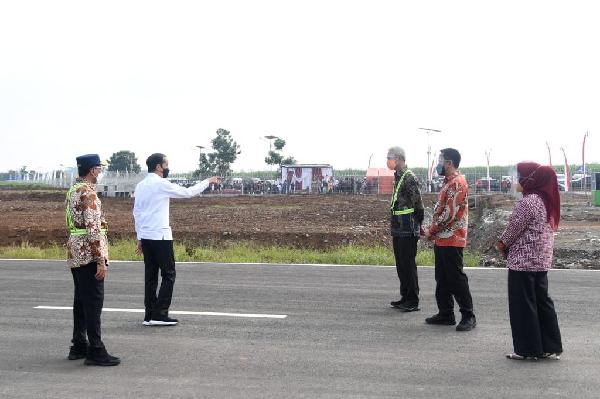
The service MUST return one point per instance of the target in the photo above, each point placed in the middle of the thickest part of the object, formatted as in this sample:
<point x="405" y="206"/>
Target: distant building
<point x="119" y="184"/>
<point x="302" y="177"/>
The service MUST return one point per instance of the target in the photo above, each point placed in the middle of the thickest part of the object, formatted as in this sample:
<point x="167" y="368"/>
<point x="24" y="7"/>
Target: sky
<point x="340" y="81"/>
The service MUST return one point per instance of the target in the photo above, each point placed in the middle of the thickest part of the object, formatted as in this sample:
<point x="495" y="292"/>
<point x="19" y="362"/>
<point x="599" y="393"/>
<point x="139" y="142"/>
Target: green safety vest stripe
<point x="403" y="212"/>
<point x="82" y="232"/>
<point x="74" y="231"/>
<point x="397" y="190"/>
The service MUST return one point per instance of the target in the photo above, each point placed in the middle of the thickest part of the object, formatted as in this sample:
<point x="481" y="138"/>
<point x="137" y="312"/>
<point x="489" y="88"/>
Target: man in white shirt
<point x="155" y="239"/>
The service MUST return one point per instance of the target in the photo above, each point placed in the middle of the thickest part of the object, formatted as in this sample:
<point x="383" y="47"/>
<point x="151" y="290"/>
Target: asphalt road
<point x="339" y="339"/>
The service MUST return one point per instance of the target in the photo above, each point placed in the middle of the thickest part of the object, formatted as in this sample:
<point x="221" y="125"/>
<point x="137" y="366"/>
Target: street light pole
<point x="271" y="138"/>
<point x="429" y="132"/>
<point x="200" y="147"/>
<point x="583" y="162"/>
<point x="488" y="152"/>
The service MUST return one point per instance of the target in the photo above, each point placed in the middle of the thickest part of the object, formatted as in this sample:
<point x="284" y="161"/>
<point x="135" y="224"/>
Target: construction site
<point x="321" y="222"/>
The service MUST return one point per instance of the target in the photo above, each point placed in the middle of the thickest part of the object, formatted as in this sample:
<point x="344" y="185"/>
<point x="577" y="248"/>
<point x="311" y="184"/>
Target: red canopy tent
<point x="380" y="180"/>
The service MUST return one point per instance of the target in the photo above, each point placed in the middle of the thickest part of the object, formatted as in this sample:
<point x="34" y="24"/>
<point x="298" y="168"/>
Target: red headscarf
<point x="541" y="180"/>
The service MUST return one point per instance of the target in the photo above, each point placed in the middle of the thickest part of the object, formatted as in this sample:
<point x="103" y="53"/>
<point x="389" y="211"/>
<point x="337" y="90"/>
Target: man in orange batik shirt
<point x="449" y="231"/>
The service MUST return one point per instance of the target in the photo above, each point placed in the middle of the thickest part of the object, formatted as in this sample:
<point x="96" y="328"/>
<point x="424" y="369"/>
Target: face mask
<point x="441" y="169"/>
<point x="165" y="173"/>
<point x="391" y="164"/>
<point x="100" y="177"/>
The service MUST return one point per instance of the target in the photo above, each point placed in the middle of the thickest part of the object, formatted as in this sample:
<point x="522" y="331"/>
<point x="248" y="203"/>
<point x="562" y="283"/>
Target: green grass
<point x="244" y="252"/>
<point x="26" y="251"/>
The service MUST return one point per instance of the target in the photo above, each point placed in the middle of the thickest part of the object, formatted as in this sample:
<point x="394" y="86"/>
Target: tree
<point x="279" y="143"/>
<point x="274" y="157"/>
<point x="123" y="161"/>
<point x="218" y="162"/>
<point x="288" y="161"/>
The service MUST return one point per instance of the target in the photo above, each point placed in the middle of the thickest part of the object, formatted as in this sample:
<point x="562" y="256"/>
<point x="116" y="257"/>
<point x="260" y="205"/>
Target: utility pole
<point x="429" y="132"/>
<point x="488" y="152"/>
<point x="567" y="171"/>
<point x="583" y="162"/>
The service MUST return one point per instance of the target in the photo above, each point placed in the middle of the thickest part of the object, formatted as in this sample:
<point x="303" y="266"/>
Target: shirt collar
<point x="81" y="180"/>
<point x="452" y="176"/>
<point x="398" y="173"/>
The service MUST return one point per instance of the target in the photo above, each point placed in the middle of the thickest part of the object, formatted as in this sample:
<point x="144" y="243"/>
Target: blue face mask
<point x="440" y="169"/>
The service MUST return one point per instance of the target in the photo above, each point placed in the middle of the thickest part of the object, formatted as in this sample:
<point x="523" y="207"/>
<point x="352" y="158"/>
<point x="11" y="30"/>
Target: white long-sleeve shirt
<point x="151" y="206"/>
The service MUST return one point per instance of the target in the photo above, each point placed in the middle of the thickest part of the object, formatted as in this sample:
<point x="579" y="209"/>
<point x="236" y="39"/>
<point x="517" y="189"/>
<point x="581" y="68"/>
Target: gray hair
<point x="397" y="152"/>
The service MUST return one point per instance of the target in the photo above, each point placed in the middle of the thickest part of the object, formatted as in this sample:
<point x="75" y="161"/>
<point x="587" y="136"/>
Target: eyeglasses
<point x="391" y="158"/>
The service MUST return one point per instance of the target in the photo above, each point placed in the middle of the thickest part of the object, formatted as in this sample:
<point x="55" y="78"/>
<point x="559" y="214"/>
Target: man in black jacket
<point x="407" y="213"/>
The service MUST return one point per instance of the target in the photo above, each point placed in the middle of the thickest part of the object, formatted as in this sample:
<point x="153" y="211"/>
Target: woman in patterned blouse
<point x="528" y="242"/>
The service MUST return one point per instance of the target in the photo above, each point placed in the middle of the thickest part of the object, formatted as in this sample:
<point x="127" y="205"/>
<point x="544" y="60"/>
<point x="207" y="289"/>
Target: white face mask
<point x="100" y="177"/>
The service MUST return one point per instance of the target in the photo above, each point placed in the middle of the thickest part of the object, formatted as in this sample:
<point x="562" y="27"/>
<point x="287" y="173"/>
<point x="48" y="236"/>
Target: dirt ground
<point x="304" y="221"/>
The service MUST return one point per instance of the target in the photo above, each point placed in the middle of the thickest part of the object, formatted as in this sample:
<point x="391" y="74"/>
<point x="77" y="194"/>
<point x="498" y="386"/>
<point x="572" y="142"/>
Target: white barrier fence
<point x="122" y="184"/>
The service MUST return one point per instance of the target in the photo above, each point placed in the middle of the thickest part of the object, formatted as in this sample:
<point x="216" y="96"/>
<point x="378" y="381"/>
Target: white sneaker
<point x="164" y="321"/>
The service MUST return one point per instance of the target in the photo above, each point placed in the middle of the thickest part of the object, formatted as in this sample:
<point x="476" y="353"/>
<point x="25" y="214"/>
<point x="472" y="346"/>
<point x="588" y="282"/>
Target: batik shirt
<point x="451" y="213"/>
<point x="86" y="211"/>
<point x="528" y="236"/>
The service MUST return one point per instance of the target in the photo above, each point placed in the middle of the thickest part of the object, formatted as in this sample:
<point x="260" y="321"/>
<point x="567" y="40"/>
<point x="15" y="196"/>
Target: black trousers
<point x="158" y="255"/>
<point x="405" y="252"/>
<point x="451" y="281"/>
<point x="532" y="316"/>
<point x="87" y="306"/>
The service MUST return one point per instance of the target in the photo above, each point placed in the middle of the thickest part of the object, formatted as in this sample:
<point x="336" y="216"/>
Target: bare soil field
<point x="303" y="221"/>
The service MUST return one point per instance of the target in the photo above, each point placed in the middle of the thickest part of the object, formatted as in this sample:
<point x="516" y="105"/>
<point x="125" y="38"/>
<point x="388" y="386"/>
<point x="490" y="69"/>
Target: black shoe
<point x="441" y="319"/>
<point x="78" y="352"/>
<point x="407" y="307"/>
<point x="163" y="321"/>
<point x="100" y="357"/>
<point x="554" y="355"/>
<point x="466" y="324"/>
<point x="395" y="304"/>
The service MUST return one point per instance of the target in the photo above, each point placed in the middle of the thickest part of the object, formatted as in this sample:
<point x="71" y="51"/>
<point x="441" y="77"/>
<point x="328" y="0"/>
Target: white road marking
<point x="184" y="312"/>
<point x="297" y="264"/>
